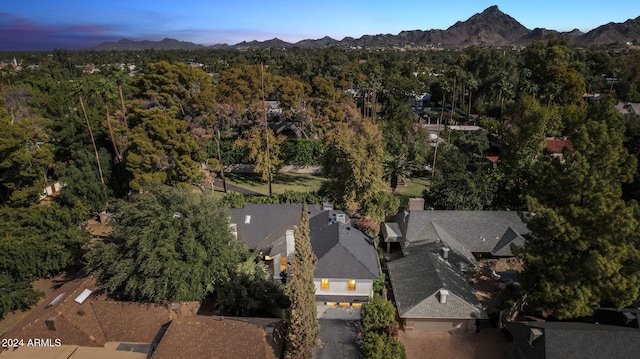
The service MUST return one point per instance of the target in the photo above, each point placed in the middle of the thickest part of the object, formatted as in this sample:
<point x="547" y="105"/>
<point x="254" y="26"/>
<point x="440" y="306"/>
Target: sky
<point x="81" y="24"/>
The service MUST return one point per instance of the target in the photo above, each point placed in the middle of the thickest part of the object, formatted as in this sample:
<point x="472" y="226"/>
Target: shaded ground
<point x="338" y="339"/>
<point x="489" y="344"/>
<point x="234" y="188"/>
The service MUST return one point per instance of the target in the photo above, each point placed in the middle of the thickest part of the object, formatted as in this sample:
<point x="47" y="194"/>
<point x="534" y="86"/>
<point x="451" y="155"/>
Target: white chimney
<point x="445" y="252"/>
<point x="341" y="217"/>
<point x="443" y="296"/>
<point x="290" y="242"/>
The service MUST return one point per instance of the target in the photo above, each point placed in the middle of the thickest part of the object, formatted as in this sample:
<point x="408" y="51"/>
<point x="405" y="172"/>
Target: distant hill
<point x="612" y="33"/>
<point x="491" y="27"/>
<point x="165" y="44"/>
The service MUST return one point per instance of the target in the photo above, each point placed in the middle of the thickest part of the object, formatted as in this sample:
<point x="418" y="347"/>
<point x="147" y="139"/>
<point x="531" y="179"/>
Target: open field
<point x="281" y="182"/>
<point x="413" y="188"/>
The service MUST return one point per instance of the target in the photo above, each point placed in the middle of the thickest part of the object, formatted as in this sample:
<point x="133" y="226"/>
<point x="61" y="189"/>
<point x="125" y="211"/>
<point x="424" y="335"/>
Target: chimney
<point x="416" y="204"/>
<point x="445" y="252"/>
<point x="341" y="217"/>
<point x="51" y="323"/>
<point x="443" y="296"/>
<point x="534" y="334"/>
<point x="290" y="242"/>
<point x="327" y="206"/>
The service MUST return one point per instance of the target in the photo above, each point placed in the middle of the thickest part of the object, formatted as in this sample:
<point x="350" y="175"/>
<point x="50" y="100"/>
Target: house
<point x="220" y="337"/>
<point x="557" y="146"/>
<point x="562" y="340"/>
<point x="347" y="259"/>
<point x="85" y="322"/>
<point x="431" y="295"/>
<point x="464" y="233"/>
<point x="78" y="322"/>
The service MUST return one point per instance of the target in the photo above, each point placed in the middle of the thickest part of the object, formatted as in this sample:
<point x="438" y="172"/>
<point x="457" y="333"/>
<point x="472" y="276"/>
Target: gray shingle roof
<point x="417" y="279"/>
<point x="342" y="251"/>
<point x="475" y="231"/>
<point x="267" y="225"/>
<point x="562" y="340"/>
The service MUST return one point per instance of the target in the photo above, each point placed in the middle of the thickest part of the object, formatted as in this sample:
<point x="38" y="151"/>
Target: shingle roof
<point x="203" y="337"/>
<point x="474" y="231"/>
<point x="416" y="281"/>
<point x="391" y="231"/>
<point x="503" y="247"/>
<point x="562" y="340"/>
<point x="267" y="223"/>
<point x="97" y="320"/>
<point x="342" y="250"/>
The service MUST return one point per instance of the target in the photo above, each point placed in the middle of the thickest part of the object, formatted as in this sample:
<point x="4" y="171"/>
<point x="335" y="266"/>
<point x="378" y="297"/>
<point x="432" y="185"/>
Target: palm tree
<point x="472" y="84"/>
<point x="104" y="88"/>
<point x="397" y="168"/>
<point x="79" y="88"/>
<point x="444" y="86"/>
<point x="119" y="75"/>
<point x="261" y="56"/>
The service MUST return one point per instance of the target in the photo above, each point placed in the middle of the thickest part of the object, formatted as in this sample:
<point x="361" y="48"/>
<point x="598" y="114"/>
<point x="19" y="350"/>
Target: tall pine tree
<point x="302" y="315"/>
<point x="583" y="247"/>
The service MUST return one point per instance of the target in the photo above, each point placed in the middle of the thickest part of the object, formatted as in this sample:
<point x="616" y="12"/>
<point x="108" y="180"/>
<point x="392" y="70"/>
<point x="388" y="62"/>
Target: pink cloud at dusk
<point x="20" y="34"/>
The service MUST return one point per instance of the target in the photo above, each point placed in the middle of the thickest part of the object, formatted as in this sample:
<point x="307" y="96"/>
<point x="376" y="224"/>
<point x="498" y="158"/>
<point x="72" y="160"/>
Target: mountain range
<point x="491" y="27"/>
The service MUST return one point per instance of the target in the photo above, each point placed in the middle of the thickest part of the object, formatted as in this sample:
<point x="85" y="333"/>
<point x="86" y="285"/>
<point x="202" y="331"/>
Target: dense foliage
<point x="110" y="123"/>
<point x="380" y="330"/>
<point x="167" y="245"/>
<point x="583" y="247"/>
<point x="37" y="241"/>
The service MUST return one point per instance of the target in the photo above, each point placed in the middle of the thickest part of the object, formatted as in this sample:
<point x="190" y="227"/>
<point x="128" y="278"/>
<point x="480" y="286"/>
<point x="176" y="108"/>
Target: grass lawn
<point x="414" y="188"/>
<point x="280" y="183"/>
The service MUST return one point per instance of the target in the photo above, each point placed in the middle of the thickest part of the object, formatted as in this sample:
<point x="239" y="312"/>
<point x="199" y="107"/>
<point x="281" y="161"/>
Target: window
<point x="352" y="284"/>
<point x="324" y="284"/>
<point x="283" y="264"/>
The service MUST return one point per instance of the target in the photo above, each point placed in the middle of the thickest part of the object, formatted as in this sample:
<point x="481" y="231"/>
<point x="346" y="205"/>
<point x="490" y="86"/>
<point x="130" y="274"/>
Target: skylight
<point x="247" y="219"/>
<point x="55" y="300"/>
<point x="83" y="296"/>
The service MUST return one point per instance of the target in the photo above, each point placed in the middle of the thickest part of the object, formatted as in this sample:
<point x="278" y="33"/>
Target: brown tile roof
<point x="97" y="320"/>
<point x="219" y="337"/>
<point x="555" y="145"/>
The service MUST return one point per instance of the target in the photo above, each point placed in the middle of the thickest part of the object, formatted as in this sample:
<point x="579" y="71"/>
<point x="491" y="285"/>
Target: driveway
<point x="338" y="339"/>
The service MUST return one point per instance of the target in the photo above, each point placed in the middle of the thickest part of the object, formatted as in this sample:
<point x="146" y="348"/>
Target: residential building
<point x="431" y="295"/>
<point x="347" y="259"/>
<point x="563" y="340"/>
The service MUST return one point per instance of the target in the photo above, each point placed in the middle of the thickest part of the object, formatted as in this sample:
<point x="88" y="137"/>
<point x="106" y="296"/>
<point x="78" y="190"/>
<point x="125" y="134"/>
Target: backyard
<point x="312" y="182"/>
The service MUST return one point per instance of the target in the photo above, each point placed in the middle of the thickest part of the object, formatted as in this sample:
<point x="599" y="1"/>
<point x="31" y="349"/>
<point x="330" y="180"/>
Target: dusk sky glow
<point x="79" y="24"/>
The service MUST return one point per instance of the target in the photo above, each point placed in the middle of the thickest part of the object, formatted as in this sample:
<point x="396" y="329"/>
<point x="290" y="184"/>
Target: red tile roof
<point x="555" y="145"/>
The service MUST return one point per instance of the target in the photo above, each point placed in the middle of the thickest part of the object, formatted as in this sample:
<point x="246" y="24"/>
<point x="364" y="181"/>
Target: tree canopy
<point x="582" y="251"/>
<point x="167" y="245"/>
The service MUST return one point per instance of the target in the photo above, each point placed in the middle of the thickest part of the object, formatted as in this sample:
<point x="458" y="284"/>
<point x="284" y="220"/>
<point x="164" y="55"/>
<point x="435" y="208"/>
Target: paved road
<point x="338" y="340"/>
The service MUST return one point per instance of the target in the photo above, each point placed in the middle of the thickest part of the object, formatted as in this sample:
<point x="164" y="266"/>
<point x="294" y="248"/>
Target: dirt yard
<point x="489" y="344"/>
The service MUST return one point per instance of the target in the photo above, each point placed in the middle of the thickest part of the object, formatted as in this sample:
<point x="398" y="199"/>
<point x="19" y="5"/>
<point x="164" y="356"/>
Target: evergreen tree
<point x="582" y="251"/>
<point x="167" y="245"/>
<point x="302" y="315"/>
